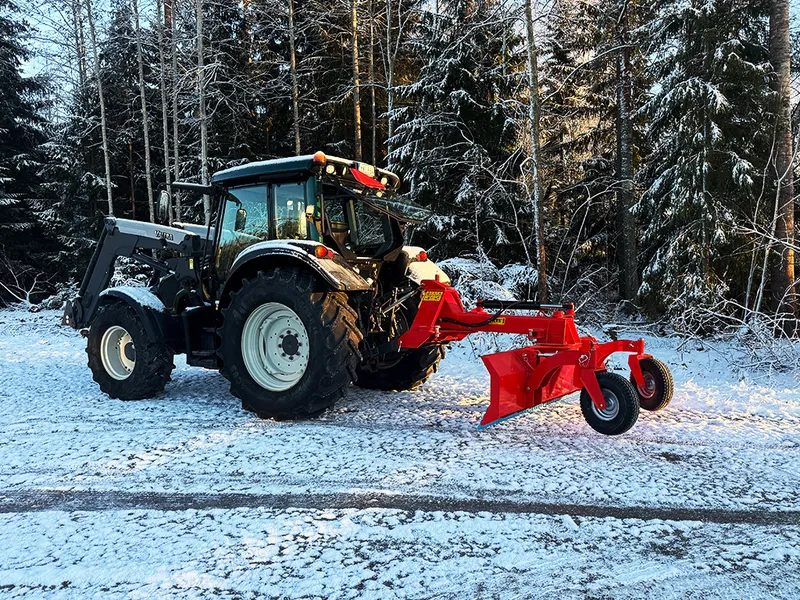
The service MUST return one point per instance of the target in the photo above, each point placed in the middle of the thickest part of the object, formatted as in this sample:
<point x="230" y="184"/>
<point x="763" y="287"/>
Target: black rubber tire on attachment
<point x="405" y="370"/>
<point x="153" y="365"/>
<point x="627" y="401"/>
<point x="661" y="378"/>
<point x="331" y="325"/>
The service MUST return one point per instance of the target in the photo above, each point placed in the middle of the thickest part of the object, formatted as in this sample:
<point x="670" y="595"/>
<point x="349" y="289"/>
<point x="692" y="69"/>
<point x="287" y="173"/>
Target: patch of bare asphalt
<point x="23" y="501"/>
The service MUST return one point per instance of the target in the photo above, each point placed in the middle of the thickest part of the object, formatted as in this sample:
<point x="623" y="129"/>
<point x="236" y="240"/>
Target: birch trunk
<point x="389" y="78"/>
<point x="201" y="86"/>
<point x="131" y="179"/>
<point x="535" y="179"/>
<point x="162" y="81"/>
<point x="176" y="156"/>
<point x="356" y="85"/>
<point x="293" y="69"/>
<point x="783" y="289"/>
<point x="145" y="123"/>
<point x="80" y="51"/>
<point x="371" y="74"/>
<point x="626" y="224"/>
<point x="103" y="126"/>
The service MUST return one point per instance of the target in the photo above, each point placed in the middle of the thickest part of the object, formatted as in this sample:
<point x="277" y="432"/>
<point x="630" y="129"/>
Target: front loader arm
<point x="123" y="237"/>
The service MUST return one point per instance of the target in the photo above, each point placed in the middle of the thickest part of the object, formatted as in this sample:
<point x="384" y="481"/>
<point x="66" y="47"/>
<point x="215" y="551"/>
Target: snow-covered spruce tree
<point x="710" y="136"/>
<point x="455" y="137"/>
<point x="21" y="134"/>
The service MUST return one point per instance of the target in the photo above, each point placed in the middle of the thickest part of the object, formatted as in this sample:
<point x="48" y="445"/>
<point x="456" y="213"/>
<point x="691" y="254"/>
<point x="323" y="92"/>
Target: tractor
<point x="302" y="285"/>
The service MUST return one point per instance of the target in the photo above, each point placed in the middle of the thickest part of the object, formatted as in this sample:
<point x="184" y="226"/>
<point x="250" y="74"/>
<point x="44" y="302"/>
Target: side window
<point x="371" y="234"/>
<point x="245" y="221"/>
<point x="291" y="222"/>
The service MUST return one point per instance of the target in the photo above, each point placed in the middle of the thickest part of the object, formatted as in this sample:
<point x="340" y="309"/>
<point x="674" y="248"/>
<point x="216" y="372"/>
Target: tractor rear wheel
<point x="622" y="405"/>
<point x="658" y="385"/>
<point x="288" y="350"/>
<point x="404" y="370"/>
<point x="125" y="362"/>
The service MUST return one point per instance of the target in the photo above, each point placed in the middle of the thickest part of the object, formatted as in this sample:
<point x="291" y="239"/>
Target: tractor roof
<point x="275" y="166"/>
<point x="298" y="164"/>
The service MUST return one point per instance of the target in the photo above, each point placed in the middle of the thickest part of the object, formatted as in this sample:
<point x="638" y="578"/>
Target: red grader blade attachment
<point x="558" y="362"/>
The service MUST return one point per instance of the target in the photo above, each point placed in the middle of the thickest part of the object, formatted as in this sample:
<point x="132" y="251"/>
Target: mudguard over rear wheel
<point x="288" y="349"/>
<point x="622" y="405"/>
<point x="125" y="362"/>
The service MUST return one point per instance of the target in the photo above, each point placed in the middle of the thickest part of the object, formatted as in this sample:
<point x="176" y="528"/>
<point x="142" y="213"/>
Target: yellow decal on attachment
<point x="430" y="296"/>
<point x="498" y="321"/>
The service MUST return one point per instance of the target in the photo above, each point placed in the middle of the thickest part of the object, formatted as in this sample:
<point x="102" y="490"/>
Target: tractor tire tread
<point x="412" y="370"/>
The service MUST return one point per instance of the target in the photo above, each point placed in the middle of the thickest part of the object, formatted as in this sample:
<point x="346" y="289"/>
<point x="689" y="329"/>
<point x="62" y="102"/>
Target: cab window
<point x="291" y="221"/>
<point x="354" y="224"/>
<point x="245" y="221"/>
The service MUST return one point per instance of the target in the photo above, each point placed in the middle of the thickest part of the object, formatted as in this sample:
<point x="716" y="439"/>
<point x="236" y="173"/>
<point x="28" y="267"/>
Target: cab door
<point x="245" y="220"/>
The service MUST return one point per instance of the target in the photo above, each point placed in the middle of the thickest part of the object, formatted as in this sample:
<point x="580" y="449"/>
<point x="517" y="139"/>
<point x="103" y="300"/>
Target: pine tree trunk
<point x="295" y="91"/>
<point x="201" y="86"/>
<point x="356" y="84"/>
<point x="626" y="224"/>
<point x="103" y="125"/>
<point x="176" y="156"/>
<point x="783" y="288"/>
<point x="371" y="74"/>
<point x="535" y="179"/>
<point x="162" y="81"/>
<point x="145" y="123"/>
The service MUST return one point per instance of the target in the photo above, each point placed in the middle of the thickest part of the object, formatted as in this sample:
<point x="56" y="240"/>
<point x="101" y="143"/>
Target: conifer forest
<point x="634" y="154"/>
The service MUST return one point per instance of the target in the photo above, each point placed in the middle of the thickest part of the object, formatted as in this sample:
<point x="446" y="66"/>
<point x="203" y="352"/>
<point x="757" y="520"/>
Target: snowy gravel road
<point x="390" y="495"/>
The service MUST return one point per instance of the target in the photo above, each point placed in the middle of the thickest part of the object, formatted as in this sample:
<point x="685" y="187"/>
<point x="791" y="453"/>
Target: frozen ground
<point x="391" y="495"/>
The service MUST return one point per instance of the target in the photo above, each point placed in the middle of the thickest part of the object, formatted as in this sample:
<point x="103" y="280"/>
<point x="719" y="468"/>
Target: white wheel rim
<point x="117" y="352"/>
<point x="612" y="407"/>
<point x="275" y="346"/>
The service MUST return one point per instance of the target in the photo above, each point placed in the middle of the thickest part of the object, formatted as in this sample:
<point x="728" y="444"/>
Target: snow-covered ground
<point x="391" y="494"/>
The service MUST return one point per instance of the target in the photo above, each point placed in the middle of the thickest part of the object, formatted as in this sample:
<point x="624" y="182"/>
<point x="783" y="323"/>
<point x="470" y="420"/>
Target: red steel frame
<point x="559" y="361"/>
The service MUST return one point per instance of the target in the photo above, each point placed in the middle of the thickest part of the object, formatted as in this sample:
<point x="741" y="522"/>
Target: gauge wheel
<point x="622" y="405"/>
<point x="658" y="385"/>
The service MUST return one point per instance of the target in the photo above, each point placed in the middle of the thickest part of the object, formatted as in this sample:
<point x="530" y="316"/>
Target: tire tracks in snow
<point x="27" y="501"/>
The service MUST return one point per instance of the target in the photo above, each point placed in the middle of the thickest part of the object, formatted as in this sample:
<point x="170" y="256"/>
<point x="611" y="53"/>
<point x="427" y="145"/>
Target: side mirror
<point x="241" y="220"/>
<point x="164" y="202"/>
<point x="310" y="211"/>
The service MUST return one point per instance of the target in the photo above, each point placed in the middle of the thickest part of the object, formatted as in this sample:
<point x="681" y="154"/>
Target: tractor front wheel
<point x="658" y="386"/>
<point x="622" y="405"/>
<point x="288" y="349"/>
<point x="125" y="362"/>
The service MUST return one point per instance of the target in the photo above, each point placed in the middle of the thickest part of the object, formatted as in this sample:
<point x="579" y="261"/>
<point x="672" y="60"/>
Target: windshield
<point x="387" y="201"/>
